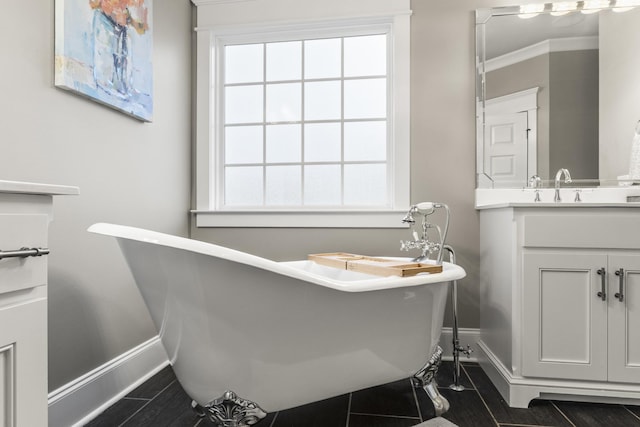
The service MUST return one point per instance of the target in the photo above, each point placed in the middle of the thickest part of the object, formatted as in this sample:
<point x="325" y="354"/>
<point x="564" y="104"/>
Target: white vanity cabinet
<point x="556" y="319"/>
<point x="25" y="213"/>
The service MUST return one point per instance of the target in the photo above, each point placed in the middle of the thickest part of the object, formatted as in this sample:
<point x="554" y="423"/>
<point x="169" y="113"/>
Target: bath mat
<point x="436" y="422"/>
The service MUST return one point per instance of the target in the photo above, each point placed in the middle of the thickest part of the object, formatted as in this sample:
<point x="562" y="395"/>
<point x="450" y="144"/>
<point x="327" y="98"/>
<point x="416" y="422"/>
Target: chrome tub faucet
<point x="421" y="240"/>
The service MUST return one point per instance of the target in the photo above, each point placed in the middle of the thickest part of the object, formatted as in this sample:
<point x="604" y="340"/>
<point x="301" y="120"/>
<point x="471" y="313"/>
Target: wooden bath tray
<point x="372" y="265"/>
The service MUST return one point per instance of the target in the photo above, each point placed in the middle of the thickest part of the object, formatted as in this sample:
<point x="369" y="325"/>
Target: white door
<point x="505" y="151"/>
<point x="564" y="316"/>
<point x="624" y="318"/>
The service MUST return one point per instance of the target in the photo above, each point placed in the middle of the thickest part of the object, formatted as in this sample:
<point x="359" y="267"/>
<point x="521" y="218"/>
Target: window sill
<point x="301" y="219"/>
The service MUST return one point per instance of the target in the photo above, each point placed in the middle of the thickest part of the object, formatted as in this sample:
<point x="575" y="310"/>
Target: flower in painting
<point x="133" y="13"/>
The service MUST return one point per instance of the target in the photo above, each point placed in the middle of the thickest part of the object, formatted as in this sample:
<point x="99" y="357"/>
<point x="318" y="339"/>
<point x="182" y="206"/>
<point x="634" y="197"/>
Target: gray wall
<point x="573" y="105"/>
<point x="128" y="172"/>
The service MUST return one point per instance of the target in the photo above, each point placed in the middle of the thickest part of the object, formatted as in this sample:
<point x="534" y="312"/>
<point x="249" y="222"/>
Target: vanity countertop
<point x="558" y="205"/>
<point x="603" y="197"/>
<point x="37" y="188"/>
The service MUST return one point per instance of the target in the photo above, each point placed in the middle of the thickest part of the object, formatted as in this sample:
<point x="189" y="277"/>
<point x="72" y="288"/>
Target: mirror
<point x="556" y="89"/>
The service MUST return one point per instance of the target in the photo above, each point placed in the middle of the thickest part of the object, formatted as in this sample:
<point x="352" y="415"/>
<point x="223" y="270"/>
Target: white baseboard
<point x="466" y="337"/>
<point x="81" y="400"/>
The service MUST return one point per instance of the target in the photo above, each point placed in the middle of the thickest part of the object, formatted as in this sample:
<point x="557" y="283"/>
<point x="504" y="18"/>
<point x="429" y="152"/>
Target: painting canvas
<point x="103" y="51"/>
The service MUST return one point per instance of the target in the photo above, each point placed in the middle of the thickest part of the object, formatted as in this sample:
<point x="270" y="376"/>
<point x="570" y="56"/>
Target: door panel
<point x="624" y="319"/>
<point x="505" y="153"/>
<point x="564" y="321"/>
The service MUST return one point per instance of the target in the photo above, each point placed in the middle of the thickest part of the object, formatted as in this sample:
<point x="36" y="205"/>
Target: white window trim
<point x="399" y="116"/>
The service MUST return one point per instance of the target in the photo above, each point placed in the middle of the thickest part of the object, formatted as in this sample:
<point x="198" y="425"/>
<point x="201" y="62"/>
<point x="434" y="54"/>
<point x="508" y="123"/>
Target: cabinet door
<point x="624" y="319"/>
<point x="564" y="321"/>
<point x="23" y="364"/>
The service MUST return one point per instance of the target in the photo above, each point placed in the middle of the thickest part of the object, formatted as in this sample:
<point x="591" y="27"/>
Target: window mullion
<point x="302" y="124"/>
<point x="264" y="124"/>
<point x="342" y="183"/>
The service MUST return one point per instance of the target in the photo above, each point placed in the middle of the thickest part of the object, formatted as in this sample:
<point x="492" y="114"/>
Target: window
<point x="305" y="123"/>
<point x="303" y="126"/>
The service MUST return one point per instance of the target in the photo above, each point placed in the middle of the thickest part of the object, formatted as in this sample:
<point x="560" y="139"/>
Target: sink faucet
<point x="535" y="181"/>
<point x="567" y="180"/>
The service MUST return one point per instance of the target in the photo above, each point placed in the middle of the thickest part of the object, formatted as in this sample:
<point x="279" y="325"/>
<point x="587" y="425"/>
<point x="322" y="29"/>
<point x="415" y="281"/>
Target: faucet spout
<point x="567" y="176"/>
<point x="567" y="180"/>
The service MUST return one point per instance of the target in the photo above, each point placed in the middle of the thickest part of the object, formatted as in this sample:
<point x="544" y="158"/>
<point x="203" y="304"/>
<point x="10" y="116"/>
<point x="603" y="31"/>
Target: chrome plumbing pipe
<point x="457" y="348"/>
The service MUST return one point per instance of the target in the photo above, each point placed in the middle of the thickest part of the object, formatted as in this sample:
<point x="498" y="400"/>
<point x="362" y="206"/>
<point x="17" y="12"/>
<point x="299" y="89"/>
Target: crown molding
<point x="541" y="48"/>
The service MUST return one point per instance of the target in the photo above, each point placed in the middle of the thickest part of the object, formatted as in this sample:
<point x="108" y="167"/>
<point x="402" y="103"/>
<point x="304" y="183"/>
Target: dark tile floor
<point x="162" y="402"/>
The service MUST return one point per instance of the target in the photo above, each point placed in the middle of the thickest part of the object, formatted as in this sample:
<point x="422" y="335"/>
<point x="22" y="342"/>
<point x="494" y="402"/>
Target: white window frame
<point x="209" y="40"/>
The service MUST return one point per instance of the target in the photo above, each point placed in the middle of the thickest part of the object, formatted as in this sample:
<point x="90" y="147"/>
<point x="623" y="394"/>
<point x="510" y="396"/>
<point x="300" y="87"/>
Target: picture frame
<point x="103" y="52"/>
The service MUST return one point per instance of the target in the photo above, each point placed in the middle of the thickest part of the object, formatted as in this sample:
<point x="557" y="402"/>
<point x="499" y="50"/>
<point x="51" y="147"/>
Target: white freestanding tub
<point x="246" y="334"/>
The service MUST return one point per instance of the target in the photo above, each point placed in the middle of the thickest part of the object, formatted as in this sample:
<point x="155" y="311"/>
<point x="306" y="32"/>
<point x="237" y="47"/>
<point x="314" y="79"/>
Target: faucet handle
<point x="537" y="198"/>
<point x="578" y="199"/>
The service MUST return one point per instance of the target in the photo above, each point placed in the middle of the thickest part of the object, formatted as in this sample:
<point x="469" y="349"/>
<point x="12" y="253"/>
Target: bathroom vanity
<point x="560" y="300"/>
<point x="25" y="213"/>
<point x="559" y="258"/>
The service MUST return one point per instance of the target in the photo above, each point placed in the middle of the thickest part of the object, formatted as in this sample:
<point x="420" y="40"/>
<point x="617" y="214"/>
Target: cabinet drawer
<point x="582" y="231"/>
<point x="17" y="231"/>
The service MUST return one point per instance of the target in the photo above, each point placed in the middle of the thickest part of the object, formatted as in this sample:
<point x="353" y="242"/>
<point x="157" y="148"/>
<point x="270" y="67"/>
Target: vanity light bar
<point x="625" y="5"/>
<point x="562" y="8"/>
<point x="593" y="6"/>
<point x="585" y="6"/>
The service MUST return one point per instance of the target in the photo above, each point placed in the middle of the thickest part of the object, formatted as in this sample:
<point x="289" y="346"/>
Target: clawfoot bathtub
<point x="246" y="335"/>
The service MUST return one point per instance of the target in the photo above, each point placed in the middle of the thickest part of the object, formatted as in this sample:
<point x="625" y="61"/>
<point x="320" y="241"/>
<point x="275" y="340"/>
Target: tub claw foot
<point x="229" y="410"/>
<point x="425" y="378"/>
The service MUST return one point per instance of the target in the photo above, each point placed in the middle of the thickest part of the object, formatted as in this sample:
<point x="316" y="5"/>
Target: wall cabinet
<point x="25" y="213"/>
<point x="560" y="308"/>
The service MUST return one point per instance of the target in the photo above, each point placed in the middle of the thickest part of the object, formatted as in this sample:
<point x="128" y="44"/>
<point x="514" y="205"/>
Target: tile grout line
<point x="522" y="425"/>
<point x="632" y="413"/>
<point x="404" y="417"/>
<point x="146" y="404"/>
<point x="136" y="398"/>
<point x="562" y="413"/>
<point x="480" y="395"/>
<point x="349" y="409"/>
<point x="275" y="417"/>
<point x="415" y="399"/>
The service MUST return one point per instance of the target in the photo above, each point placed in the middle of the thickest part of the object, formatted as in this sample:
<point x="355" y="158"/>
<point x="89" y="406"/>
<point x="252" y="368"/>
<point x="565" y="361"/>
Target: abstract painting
<point x="103" y="51"/>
